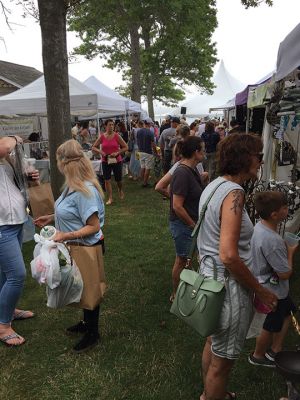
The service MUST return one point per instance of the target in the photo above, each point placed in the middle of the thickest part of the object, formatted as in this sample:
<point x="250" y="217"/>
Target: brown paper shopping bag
<point x="89" y="260"/>
<point x="41" y="200"/>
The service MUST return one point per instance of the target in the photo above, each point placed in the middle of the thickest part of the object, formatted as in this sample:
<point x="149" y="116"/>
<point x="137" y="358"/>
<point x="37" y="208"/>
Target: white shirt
<point x="12" y="202"/>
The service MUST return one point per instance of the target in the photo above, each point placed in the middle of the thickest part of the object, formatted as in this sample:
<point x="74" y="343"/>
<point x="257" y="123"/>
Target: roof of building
<point x="20" y="75"/>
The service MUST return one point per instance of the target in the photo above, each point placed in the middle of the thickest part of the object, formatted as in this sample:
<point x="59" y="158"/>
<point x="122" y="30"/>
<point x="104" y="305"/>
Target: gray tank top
<point x="209" y="234"/>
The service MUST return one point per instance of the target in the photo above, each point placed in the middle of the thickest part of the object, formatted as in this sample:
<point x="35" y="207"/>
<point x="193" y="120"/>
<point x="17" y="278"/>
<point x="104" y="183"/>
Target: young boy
<point x="272" y="265"/>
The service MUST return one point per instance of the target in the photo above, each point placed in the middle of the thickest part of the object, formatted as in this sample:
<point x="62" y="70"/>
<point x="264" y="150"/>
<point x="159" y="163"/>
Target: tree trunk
<point x="150" y="84"/>
<point x="135" y="64"/>
<point x="55" y="62"/>
<point x="150" y="79"/>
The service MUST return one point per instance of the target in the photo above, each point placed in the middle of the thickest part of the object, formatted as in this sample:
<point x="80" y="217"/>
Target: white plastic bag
<point x="28" y="230"/>
<point x="45" y="266"/>
<point x="256" y="325"/>
<point x="53" y="266"/>
<point x="70" y="289"/>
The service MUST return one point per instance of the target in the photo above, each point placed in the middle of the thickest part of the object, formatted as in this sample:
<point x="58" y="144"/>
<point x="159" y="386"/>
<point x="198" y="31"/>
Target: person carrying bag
<point x="79" y="218"/>
<point x="199" y="299"/>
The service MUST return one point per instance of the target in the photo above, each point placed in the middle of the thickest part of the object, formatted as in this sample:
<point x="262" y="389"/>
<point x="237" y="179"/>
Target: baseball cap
<point x="148" y="120"/>
<point x="175" y="119"/>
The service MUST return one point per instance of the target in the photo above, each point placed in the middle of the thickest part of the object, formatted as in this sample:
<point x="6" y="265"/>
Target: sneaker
<point x="270" y="355"/>
<point x="263" y="362"/>
<point x="88" y="341"/>
<point x="81" y="327"/>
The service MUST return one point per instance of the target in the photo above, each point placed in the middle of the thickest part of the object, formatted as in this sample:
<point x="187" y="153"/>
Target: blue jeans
<point x="12" y="270"/>
<point x="181" y="234"/>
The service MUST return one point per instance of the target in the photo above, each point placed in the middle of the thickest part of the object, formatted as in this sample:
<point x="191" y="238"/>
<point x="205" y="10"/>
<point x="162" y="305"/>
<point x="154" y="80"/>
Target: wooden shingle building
<point x="15" y="76"/>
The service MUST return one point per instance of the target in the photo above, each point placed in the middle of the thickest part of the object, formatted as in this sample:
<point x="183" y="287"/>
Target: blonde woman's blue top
<point x="73" y="209"/>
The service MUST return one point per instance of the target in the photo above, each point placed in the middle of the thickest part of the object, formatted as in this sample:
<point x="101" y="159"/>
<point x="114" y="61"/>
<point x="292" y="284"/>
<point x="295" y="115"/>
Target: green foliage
<point x="256" y="3"/>
<point x="175" y="45"/>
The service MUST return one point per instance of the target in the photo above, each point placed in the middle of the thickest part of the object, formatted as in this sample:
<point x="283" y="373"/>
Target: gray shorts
<point x="146" y="160"/>
<point x="235" y="320"/>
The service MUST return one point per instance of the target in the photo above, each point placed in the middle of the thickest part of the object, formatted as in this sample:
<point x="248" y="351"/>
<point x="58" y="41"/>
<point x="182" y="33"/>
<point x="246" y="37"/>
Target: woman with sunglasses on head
<point x="225" y="236"/>
<point x="112" y="146"/>
<point x="185" y="190"/>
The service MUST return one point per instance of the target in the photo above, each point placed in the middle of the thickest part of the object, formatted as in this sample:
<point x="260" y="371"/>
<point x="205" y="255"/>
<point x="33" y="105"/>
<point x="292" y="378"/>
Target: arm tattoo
<point x="237" y="202"/>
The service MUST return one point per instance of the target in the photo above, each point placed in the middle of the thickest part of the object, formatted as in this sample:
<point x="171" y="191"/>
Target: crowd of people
<point x="189" y="163"/>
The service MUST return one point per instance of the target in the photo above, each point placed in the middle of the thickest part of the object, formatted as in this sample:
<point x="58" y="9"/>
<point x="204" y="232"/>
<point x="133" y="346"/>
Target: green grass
<point x="145" y="353"/>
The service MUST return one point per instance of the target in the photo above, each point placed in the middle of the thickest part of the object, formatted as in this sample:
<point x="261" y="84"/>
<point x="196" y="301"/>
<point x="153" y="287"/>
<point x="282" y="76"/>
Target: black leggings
<point x="91" y="317"/>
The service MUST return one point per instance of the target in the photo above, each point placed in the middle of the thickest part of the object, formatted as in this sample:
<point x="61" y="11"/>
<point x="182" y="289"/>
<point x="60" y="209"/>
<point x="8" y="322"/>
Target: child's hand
<point x="292" y="249"/>
<point x="267" y="297"/>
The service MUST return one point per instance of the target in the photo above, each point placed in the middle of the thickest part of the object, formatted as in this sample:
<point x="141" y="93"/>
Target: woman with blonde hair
<point x="79" y="218"/>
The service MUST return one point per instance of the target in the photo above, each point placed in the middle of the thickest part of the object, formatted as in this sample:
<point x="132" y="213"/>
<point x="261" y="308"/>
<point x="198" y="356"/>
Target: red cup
<point x="260" y="306"/>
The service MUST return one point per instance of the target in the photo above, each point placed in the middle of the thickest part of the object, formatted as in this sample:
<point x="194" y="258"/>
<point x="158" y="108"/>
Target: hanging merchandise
<point x="285" y="154"/>
<point x="295" y="122"/>
<point x="272" y="117"/>
<point x="284" y="120"/>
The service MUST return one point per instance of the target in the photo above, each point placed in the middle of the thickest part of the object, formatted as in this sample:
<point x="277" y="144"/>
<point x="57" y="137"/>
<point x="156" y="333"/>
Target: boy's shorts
<point x="275" y="319"/>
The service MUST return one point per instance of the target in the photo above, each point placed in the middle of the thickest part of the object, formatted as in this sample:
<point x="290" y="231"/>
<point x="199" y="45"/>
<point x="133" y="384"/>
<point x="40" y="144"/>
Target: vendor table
<point x="44" y="169"/>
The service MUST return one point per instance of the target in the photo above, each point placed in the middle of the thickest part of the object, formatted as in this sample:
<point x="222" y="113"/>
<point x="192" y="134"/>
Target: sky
<point x="246" y="40"/>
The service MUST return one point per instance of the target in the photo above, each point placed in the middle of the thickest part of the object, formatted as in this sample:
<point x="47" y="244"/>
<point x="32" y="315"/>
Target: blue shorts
<point x="181" y="234"/>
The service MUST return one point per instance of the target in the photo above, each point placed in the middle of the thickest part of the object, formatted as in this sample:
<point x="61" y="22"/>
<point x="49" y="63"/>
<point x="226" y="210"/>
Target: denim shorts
<point x="181" y="234"/>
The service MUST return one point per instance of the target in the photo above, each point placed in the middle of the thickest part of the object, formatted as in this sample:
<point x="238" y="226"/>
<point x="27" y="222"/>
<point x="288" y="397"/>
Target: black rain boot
<point x="91" y="337"/>
<point x="81" y="327"/>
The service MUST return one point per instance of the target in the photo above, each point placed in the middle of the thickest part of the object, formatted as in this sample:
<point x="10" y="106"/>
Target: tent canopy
<point x="226" y="88"/>
<point x="31" y="99"/>
<point x="227" y="106"/>
<point x="110" y="103"/>
<point x="242" y="97"/>
<point x="288" y="58"/>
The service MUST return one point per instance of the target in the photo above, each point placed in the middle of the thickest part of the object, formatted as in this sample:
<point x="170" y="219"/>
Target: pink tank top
<point x="110" y="146"/>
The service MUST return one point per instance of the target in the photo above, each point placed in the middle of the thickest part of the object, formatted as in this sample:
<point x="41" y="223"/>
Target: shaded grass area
<point x="145" y="353"/>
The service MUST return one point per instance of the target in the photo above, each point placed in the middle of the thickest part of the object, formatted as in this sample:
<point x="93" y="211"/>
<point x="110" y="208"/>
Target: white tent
<point x="111" y="103"/>
<point x="31" y="99"/>
<point x="226" y="86"/>
<point x="288" y="58"/>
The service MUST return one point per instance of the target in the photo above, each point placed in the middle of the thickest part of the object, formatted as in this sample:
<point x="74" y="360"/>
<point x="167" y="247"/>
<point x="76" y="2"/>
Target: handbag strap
<point x="199" y="222"/>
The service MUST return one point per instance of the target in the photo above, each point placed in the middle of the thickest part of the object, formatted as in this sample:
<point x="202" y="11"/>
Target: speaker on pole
<point x="183" y="110"/>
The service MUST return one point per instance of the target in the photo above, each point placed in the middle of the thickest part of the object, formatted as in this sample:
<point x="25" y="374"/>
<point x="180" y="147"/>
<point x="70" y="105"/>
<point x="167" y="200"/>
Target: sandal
<point x="22" y="314"/>
<point x="230" y="396"/>
<point x="172" y="298"/>
<point x="5" y="340"/>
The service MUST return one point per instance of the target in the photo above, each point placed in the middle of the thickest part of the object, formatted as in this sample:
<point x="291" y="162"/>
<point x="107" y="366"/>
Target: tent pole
<point x="98" y="126"/>
<point x="247" y="120"/>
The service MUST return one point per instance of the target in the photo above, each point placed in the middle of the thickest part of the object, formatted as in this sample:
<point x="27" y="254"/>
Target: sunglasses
<point x="259" y="156"/>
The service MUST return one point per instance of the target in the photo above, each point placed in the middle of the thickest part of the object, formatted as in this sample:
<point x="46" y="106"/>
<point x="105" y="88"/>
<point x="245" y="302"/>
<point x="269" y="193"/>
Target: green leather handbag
<point x="199" y="299"/>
